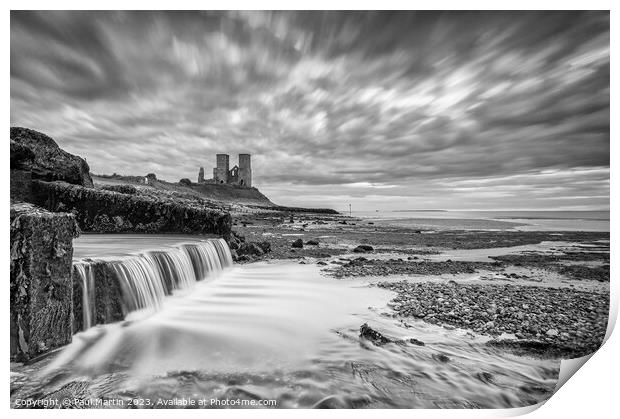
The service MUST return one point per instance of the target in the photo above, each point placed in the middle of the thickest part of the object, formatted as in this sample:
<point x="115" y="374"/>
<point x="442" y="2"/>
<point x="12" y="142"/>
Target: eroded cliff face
<point x="41" y="288"/>
<point x="104" y="211"/>
<point x="40" y="155"/>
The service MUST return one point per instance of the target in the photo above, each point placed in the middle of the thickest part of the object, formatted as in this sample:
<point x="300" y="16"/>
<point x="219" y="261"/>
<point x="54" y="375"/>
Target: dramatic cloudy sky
<point x="394" y="110"/>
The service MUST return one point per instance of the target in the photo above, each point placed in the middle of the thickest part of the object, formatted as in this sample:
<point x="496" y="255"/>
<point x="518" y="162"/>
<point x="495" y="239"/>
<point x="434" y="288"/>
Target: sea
<point x="491" y="220"/>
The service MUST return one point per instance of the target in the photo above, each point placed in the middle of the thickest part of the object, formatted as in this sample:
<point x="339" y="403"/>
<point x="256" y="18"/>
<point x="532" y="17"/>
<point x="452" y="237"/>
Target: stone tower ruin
<point x="245" y="170"/>
<point x="221" y="171"/>
<point x="240" y="175"/>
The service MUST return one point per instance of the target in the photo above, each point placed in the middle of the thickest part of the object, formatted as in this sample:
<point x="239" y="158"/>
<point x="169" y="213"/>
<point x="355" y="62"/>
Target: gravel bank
<point x="377" y="267"/>
<point x="563" y="317"/>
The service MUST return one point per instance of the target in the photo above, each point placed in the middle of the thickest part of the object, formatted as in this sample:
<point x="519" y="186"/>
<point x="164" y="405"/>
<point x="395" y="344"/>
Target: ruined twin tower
<point x="239" y="175"/>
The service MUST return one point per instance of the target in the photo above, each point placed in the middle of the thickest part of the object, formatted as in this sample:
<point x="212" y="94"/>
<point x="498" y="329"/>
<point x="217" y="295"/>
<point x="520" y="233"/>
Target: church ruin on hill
<point x="240" y="175"/>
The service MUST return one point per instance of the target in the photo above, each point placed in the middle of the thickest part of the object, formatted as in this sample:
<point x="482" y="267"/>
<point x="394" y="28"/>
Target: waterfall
<point x="87" y="276"/>
<point x="110" y="289"/>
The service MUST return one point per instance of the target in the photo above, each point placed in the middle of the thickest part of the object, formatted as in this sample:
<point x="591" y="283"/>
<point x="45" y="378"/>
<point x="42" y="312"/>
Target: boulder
<point x="372" y="335"/>
<point x="251" y="248"/>
<point x="298" y="244"/>
<point x="378" y="339"/>
<point x="312" y="242"/>
<point x="363" y="248"/>
<point x="41" y="155"/>
<point x="185" y="182"/>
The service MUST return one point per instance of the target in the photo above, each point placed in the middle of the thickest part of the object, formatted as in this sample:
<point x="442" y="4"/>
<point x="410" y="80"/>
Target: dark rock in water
<point x="126" y="189"/>
<point x="415" y="342"/>
<point x="108" y="212"/>
<point x="40" y="280"/>
<point x="332" y="402"/>
<point x="321" y="263"/>
<point x="185" y="182"/>
<point x="441" y="358"/>
<point x="485" y="377"/>
<point x="342" y="222"/>
<point x="298" y="244"/>
<point x="250" y="248"/>
<point x="372" y="335"/>
<point x="363" y="248"/>
<point x="378" y="339"/>
<point x="47" y="161"/>
<point x="247" y="250"/>
<point x="312" y="242"/>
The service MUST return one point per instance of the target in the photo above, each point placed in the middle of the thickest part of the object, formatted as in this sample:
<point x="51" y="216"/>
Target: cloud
<point x="398" y="103"/>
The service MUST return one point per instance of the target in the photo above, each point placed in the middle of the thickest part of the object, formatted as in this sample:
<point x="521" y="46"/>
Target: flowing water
<point x="143" y="279"/>
<point x="275" y="331"/>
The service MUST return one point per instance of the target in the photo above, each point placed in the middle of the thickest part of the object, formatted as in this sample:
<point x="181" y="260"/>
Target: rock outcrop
<point x="39" y="154"/>
<point x="246" y="251"/>
<point x="41" y="287"/>
<point x="104" y="211"/>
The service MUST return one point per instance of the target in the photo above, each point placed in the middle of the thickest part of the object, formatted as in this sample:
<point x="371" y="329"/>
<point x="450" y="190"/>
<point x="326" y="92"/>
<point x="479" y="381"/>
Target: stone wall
<point x="113" y="212"/>
<point x="107" y="305"/>
<point x="41" y="287"/>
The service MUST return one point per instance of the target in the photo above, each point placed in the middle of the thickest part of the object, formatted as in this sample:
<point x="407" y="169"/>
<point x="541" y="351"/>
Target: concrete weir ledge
<point x="54" y="296"/>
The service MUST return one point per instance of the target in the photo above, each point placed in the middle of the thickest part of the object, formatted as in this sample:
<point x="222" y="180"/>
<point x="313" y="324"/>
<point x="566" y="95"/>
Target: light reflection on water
<point x="492" y="220"/>
<point x="282" y="331"/>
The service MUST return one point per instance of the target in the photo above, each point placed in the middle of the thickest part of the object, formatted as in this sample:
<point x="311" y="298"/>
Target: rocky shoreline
<point x="527" y="306"/>
<point x="563" y="318"/>
<point x="362" y="266"/>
